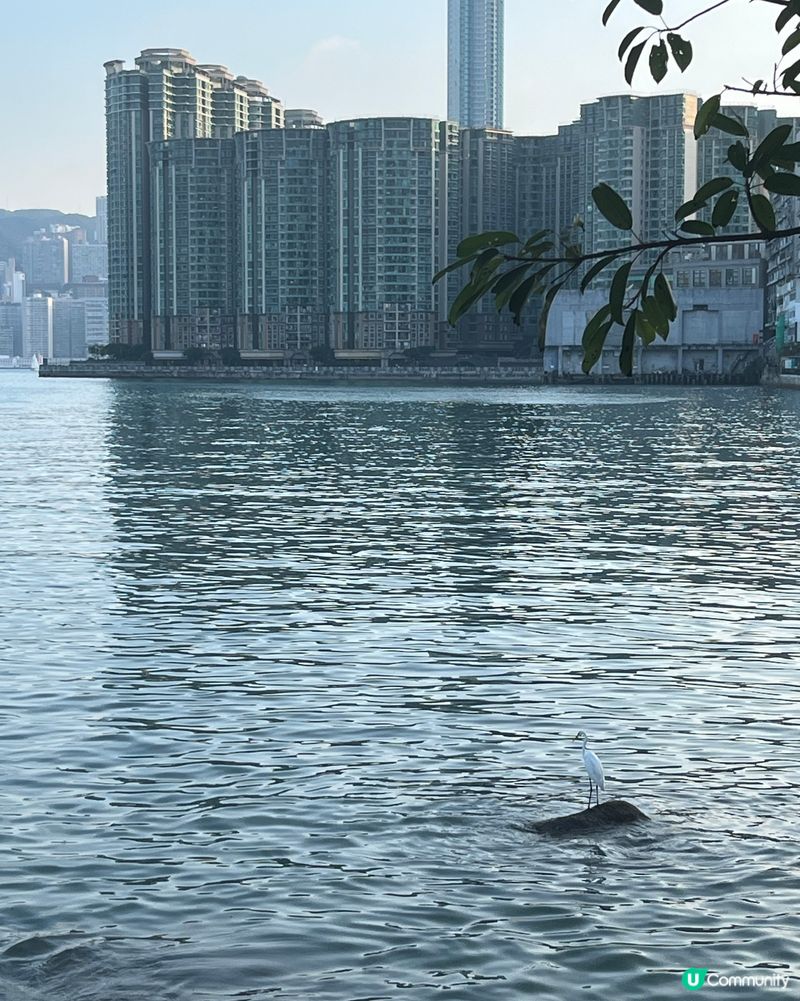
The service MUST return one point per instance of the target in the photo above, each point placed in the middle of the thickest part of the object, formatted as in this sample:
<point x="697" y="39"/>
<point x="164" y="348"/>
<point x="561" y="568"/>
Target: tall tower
<point x="475" y="63"/>
<point x="166" y="96"/>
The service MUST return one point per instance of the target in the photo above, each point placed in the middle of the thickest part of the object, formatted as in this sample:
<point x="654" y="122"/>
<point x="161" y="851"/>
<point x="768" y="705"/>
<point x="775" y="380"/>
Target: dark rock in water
<point x="613" y="813"/>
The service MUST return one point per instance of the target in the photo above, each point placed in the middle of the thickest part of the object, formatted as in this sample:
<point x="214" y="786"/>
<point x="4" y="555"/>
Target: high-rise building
<point x="101" y="219"/>
<point x="96" y="313"/>
<point x="192" y="240"/>
<point x="388" y="231"/>
<point x="69" y="329"/>
<point x="88" y="259"/>
<point x="37" y="326"/>
<point x="45" y="260"/>
<point x="11" y="327"/>
<point x="167" y="95"/>
<point x="488" y="204"/>
<point x="643" y="147"/>
<point x="475" y="63"/>
<point x="281" y="212"/>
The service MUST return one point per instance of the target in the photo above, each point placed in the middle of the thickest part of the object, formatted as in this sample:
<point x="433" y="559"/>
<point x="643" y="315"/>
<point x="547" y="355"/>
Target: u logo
<point x="694" y="979"/>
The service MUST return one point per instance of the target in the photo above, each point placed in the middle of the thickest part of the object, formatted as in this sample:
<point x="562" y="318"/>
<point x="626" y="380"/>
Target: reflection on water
<point x="285" y="668"/>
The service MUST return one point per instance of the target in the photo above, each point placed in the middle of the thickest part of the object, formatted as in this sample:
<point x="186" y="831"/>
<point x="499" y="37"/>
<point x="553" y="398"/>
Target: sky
<point x="345" y="58"/>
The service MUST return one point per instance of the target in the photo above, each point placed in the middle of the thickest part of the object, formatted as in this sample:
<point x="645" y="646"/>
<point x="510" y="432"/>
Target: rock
<point x="613" y="813"/>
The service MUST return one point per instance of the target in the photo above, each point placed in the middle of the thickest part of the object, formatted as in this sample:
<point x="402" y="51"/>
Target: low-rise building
<point x="718" y="330"/>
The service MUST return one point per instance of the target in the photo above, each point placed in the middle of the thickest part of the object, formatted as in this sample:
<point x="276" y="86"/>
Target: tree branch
<point x="638" y="248"/>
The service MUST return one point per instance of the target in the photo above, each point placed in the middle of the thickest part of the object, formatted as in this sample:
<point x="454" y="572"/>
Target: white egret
<point x="592" y="765"/>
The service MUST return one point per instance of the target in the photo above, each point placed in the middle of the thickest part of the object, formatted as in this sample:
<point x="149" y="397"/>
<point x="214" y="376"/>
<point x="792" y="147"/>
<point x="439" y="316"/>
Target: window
<point x="683" y="279"/>
<point x="731" y="277"/>
<point x="715" y="278"/>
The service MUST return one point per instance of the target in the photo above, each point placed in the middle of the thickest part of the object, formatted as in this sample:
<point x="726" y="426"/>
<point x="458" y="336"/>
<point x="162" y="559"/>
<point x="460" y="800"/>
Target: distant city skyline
<point x="353" y="59"/>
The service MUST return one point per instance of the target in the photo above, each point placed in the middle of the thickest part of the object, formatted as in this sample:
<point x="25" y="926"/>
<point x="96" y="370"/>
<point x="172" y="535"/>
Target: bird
<point x="592" y="765"/>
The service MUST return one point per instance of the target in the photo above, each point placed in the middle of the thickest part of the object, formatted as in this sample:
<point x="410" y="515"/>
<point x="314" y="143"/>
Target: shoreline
<point x="481" y="377"/>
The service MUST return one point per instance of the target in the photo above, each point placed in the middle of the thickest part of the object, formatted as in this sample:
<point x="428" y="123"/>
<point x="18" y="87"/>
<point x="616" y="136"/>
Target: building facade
<point x="280" y="208"/>
<point x="87" y="259"/>
<point x="166" y="96"/>
<point x="37" y="326"/>
<point x="45" y="261"/>
<point x="718" y="331"/>
<point x="475" y="73"/>
<point x="389" y="231"/>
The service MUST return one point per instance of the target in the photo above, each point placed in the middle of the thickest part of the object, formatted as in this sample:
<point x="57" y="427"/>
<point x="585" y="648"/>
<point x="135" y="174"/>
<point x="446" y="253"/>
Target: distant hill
<point x="15" y="226"/>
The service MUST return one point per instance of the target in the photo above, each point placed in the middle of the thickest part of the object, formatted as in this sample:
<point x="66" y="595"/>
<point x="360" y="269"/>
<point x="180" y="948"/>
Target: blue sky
<point x="346" y="58"/>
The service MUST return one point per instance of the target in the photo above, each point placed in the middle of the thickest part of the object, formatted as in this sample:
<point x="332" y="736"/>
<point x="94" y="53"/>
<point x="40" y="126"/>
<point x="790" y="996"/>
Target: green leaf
<point x="537" y="236"/>
<point x="659" y="57"/>
<point x="549" y="298"/>
<point x="452" y="267"/>
<point x="730" y="125"/>
<point x="770" y="144"/>
<point x="791" y="42"/>
<point x="538" y="249"/>
<point x="520" y="297"/>
<point x="697" y="228"/>
<point x="712" y="187"/>
<point x="506" y="284"/>
<point x="645" y="286"/>
<point x="681" y="50"/>
<point x="708" y="109"/>
<point x="724" y="209"/>
<point x="791" y="152"/>
<point x="665" y="298"/>
<point x="687" y="209"/>
<point x="609" y="11"/>
<point x="616" y="298"/>
<point x="467" y="298"/>
<point x="656" y="317"/>
<point x="612" y="206"/>
<point x="737" y="157"/>
<point x="595" y="270"/>
<point x="487" y="263"/>
<point x="628" y="40"/>
<point x="788" y="12"/>
<point x="783" y="184"/>
<point x="487" y="257"/>
<point x="763" y="213"/>
<point x="789" y="76"/>
<point x="594" y="343"/>
<point x="644" y="329"/>
<point x="651" y="6"/>
<point x="632" y="61"/>
<point x="626" y="352"/>
<point x="602" y="316"/>
<point x="473" y="244"/>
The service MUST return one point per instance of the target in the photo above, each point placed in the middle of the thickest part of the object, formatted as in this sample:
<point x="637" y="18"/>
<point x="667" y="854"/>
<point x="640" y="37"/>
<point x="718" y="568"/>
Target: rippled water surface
<point x="287" y="670"/>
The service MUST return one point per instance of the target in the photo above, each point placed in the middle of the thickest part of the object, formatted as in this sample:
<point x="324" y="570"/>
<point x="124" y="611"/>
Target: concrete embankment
<point x="454" y="376"/>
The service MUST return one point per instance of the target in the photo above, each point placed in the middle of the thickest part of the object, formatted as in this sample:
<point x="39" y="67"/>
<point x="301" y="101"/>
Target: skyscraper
<point x="167" y="95"/>
<point x="475" y="63"/>
<point x="389" y="231"/>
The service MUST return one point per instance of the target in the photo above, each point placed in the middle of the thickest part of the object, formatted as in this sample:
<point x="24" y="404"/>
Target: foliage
<point x="515" y="270"/>
<point x="119" y="352"/>
<point x="197" y="356"/>
<point x="322" y="354"/>
<point x="230" y="357"/>
<point x="419" y="355"/>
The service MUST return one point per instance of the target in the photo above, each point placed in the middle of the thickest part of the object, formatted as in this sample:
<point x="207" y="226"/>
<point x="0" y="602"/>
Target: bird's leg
<point x="597" y="794"/>
<point x="590" y="795"/>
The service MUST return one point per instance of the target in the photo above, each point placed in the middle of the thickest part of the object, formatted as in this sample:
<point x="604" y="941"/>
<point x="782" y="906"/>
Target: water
<point x="286" y="670"/>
